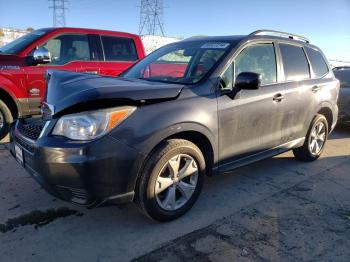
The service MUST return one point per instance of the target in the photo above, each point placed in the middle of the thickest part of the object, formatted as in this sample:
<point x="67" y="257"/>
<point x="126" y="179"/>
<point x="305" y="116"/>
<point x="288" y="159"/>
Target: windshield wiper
<point x="162" y="80"/>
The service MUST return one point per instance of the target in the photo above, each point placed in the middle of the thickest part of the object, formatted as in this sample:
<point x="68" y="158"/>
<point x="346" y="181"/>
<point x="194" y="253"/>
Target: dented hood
<point x="66" y="89"/>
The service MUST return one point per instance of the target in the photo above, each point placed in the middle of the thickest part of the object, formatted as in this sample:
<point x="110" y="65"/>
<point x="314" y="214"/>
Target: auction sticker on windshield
<point x="216" y="45"/>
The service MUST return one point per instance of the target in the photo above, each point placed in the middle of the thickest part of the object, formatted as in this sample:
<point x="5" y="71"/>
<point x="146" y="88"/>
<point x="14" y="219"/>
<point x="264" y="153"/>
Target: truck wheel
<point x="315" y="140"/>
<point x="6" y="119"/>
<point x="171" y="181"/>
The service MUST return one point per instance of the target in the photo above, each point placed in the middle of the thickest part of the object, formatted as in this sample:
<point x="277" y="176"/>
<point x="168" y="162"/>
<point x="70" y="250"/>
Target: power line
<point x="151" y="17"/>
<point x="59" y="12"/>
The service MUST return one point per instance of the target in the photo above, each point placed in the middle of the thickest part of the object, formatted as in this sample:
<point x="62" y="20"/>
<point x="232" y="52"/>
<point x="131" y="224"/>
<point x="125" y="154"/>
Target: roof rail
<point x="279" y="33"/>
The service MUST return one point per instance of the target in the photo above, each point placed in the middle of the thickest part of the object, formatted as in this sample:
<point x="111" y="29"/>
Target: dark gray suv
<point x="198" y="107"/>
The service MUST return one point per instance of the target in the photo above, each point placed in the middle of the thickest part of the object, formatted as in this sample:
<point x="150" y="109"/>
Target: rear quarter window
<point x="119" y="48"/>
<point x="295" y="64"/>
<point x="318" y="64"/>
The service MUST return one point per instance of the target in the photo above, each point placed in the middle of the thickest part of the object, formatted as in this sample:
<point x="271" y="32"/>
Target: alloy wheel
<point x="317" y="138"/>
<point x="176" y="182"/>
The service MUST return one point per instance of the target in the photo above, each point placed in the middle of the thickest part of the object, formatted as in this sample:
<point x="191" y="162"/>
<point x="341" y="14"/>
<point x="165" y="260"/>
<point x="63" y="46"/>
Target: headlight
<point x="91" y="124"/>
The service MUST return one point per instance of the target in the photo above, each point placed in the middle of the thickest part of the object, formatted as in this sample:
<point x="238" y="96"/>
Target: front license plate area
<point x="19" y="154"/>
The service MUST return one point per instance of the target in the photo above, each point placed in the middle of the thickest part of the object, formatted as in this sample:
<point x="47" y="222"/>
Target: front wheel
<point x="172" y="180"/>
<point x="6" y="119"/>
<point x="315" y="140"/>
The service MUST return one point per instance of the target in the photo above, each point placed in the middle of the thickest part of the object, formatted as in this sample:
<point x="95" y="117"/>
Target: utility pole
<point x="59" y="12"/>
<point x="151" y="17"/>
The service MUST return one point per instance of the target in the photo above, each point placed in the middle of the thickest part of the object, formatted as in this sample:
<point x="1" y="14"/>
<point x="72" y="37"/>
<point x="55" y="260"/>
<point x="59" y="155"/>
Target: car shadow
<point x="340" y="132"/>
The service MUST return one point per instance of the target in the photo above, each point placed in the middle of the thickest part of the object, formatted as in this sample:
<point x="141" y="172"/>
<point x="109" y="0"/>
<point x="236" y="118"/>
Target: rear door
<point x="119" y="54"/>
<point x="90" y="53"/>
<point x="301" y="92"/>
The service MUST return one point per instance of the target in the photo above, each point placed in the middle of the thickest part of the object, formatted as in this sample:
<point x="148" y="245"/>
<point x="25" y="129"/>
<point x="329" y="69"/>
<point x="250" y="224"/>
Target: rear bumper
<point x="335" y="112"/>
<point x="89" y="174"/>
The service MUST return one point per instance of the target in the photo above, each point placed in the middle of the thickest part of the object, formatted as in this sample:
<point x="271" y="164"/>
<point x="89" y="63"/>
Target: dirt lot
<point x="278" y="209"/>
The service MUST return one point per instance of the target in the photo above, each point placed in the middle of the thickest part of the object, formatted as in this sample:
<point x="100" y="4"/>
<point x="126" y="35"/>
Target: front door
<point x="69" y="52"/>
<point x="251" y="121"/>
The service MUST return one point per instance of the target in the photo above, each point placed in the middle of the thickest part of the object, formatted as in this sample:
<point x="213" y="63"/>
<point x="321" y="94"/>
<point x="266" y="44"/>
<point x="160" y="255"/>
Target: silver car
<point x="343" y="74"/>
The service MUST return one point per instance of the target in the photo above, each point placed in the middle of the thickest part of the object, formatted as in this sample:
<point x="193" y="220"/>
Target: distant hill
<point x="7" y="34"/>
<point x="336" y="63"/>
<point x="153" y="42"/>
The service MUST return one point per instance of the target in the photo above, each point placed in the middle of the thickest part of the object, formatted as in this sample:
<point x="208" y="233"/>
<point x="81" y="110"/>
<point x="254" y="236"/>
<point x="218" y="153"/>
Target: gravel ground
<point x="277" y="209"/>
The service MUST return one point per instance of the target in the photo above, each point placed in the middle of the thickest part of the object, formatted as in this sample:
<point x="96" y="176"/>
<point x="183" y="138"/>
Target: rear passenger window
<point x="119" y="49"/>
<point x="259" y="58"/>
<point x="319" y="66"/>
<point x="295" y="63"/>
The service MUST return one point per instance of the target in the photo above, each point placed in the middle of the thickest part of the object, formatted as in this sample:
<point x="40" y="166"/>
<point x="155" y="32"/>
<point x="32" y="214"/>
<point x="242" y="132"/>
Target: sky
<point x="325" y="22"/>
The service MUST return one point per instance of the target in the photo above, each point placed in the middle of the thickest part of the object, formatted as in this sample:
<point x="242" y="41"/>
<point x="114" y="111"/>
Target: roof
<point x="89" y="30"/>
<point x="259" y="34"/>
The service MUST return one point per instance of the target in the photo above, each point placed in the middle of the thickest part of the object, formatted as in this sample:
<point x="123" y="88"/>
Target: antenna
<point x="59" y="15"/>
<point x="151" y="17"/>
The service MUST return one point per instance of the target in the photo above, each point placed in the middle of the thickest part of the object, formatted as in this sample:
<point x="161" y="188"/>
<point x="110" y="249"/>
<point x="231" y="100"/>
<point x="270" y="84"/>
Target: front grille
<point x="31" y="127"/>
<point x="25" y="144"/>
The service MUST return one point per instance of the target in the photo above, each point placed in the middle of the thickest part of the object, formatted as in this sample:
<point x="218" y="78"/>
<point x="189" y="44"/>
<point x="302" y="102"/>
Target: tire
<point x="307" y="152"/>
<point x="6" y="119"/>
<point x="161" y="165"/>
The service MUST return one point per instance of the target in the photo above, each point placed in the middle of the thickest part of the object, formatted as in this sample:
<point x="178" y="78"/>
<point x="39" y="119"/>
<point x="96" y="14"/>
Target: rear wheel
<point x="172" y="180"/>
<point x="315" y="140"/>
<point x="6" y="119"/>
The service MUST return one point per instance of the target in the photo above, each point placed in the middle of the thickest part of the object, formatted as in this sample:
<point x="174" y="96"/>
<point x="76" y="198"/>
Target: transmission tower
<point x="59" y="12"/>
<point x="151" y="17"/>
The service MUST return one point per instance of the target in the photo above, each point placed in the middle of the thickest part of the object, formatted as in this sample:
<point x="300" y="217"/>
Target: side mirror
<point x="248" y="81"/>
<point x="41" y="56"/>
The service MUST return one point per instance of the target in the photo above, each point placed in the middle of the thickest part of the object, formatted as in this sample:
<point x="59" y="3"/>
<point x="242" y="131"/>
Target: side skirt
<point x="225" y="168"/>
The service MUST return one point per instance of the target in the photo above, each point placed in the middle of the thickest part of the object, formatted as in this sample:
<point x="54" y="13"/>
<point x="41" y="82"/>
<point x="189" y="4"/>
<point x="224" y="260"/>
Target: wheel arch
<point x="9" y="101"/>
<point x="198" y="136"/>
<point x="202" y="142"/>
<point x="328" y="114"/>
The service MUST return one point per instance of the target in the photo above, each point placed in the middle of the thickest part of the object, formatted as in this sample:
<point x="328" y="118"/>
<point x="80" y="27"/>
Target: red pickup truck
<point x="24" y="61"/>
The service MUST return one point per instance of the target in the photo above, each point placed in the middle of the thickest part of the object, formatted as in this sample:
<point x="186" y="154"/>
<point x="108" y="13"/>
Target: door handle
<point x="278" y="97"/>
<point x="315" y="89"/>
<point x="91" y="72"/>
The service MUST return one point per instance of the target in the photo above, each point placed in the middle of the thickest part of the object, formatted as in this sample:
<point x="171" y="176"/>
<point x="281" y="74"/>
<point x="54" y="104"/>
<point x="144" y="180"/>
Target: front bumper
<point x="89" y="174"/>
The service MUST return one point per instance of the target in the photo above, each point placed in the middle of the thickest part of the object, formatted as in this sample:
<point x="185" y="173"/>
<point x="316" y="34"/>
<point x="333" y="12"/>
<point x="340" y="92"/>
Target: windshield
<point x="20" y="43"/>
<point x="344" y="77"/>
<point x="182" y="62"/>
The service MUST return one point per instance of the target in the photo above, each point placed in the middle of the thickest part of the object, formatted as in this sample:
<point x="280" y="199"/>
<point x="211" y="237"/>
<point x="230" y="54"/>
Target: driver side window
<point x="258" y="58"/>
<point x="54" y="47"/>
<point x="67" y="48"/>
